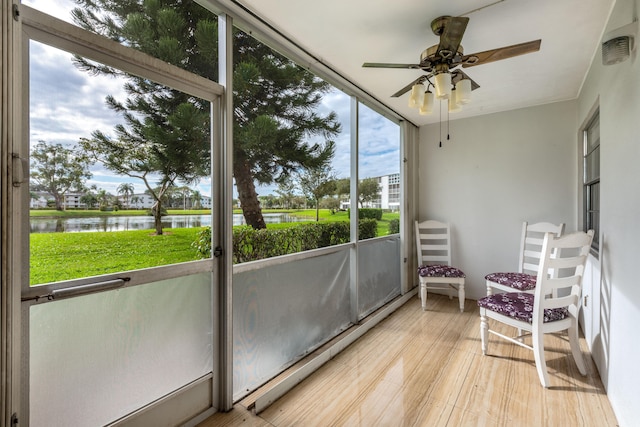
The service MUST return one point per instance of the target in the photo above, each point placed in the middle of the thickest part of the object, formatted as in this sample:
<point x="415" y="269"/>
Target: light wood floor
<point x="427" y="369"/>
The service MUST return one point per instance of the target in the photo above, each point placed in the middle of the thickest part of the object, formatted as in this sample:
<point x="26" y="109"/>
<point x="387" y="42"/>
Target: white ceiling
<point x="347" y="33"/>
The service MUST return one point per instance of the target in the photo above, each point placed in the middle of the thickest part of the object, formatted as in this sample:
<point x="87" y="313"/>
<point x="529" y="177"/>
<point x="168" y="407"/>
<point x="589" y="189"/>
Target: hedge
<point x="372" y="213"/>
<point x="394" y="226"/>
<point x="250" y="245"/>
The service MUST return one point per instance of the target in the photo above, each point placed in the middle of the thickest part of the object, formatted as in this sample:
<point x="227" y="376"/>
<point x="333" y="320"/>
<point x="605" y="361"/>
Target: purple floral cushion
<point x="519" y="281"/>
<point x="519" y="305"/>
<point x="440" y="270"/>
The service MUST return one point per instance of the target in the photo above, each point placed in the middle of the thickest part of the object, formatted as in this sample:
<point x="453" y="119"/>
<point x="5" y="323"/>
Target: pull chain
<point x="448" y="120"/>
<point x="440" y="133"/>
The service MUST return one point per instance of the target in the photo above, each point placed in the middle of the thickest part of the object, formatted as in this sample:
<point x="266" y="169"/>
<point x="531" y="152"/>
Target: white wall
<point x="501" y="169"/>
<point x="617" y="90"/>
<point x="497" y="171"/>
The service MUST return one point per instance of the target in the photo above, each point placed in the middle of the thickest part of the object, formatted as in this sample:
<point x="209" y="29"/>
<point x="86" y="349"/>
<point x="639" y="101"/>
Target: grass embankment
<point x="64" y="256"/>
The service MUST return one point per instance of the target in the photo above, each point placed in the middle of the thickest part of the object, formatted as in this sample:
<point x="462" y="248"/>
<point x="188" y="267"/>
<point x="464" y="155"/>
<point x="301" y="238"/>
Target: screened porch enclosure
<point x="283" y="311"/>
<point x="174" y="341"/>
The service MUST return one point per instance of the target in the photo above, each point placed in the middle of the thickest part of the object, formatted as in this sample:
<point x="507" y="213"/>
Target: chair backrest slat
<point x="433" y="242"/>
<point x="566" y="256"/>
<point x="532" y="237"/>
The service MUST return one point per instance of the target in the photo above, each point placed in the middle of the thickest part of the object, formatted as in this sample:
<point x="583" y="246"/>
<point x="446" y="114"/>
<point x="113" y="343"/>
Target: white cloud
<point x="67" y="104"/>
<point x="59" y="8"/>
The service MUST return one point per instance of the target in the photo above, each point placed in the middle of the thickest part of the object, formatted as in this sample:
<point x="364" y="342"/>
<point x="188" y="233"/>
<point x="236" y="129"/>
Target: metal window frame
<point x="587" y="185"/>
<point x="38" y="26"/>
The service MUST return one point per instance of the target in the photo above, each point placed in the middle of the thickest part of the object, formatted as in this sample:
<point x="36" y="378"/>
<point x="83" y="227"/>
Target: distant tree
<point x="368" y="191"/>
<point x="55" y="170"/>
<point x="185" y="192"/>
<point x="89" y="199"/>
<point x="299" y="202"/>
<point x="104" y="199"/>
<point x="268" y="201"/>
<point x="286" y="191"/>
<point x="343" y="189"/>
<point x="126" y="189"/>
<point x="136" y="200"/>
<point x="331" y="203"/>
<point x="196" y="199"/>
<point x="317" y="183"/>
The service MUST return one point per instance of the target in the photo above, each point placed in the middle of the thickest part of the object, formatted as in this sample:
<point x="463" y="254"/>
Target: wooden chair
<point x="543" y="312"/>
<point x="524" y="279"/>
<point x="433" y="243"/>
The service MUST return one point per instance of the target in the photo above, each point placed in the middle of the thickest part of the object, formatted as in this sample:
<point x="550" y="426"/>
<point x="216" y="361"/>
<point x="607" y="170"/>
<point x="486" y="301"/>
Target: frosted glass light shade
<point x="427" y="104"/>
<point x="463" y="89"/>
<point x="454" y="105"/>
<point x="416" y="96"/>
<point x="443" y="85"/>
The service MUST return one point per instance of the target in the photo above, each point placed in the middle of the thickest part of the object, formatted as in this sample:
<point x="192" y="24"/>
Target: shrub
<point x="367" y="228"/>
<point x="371" y="213"/>
<point x="250" y="245"/>
<point x="202" y="244"/>
<point x="394" y="226"/>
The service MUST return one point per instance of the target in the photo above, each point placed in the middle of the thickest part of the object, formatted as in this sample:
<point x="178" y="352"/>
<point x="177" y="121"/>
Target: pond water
<point x="123" y="223"/>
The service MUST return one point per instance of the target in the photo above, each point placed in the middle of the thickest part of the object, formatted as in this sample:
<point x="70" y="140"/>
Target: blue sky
<point x="67" y="104"/>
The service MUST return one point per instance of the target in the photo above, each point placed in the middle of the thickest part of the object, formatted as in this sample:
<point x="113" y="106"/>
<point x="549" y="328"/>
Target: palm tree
<point x="196" y="199"/>
<point x="103" y="198"/>
<point x="185" y="192"/>
<point x="135" y="200"/>
<point x="126" y="189"/>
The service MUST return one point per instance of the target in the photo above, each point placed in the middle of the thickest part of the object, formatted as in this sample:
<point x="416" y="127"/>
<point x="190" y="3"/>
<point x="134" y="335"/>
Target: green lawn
<point x="64" y="256"/>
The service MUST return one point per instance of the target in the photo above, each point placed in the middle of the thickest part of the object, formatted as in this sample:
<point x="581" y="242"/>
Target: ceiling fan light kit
<point x="440" y="63"/>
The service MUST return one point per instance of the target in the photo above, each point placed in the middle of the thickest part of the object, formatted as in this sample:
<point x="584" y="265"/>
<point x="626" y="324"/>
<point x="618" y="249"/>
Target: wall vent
<point x="618" y="44"/>
<point x="617" y="50"/>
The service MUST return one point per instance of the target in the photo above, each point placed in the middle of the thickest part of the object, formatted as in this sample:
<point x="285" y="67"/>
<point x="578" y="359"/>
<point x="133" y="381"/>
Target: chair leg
<point x="538" y="354"/>
<point x="575" y="348"/>
<point x="489" y="289"/>
<point x="461" y="297"/>
<point x="484" y="331"/>
<point x="423" y="295"/>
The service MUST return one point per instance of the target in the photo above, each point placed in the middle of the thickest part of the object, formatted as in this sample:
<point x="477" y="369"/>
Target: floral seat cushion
<point x="519" y="281"/>
<point x="519" y="305"/>
<point x="440" y="270"/>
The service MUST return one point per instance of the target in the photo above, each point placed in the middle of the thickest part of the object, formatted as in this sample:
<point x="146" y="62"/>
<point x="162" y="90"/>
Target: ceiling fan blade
<point x="458" y="75"/>
<point x="452" y="36"/>
<point x="386" y="65"/>
<point x="500" y="53"/>
<point x="408" y="87"/>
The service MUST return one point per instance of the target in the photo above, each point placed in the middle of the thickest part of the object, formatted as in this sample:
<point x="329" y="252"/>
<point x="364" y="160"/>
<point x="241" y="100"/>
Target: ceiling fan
<point x="440" y="62"/>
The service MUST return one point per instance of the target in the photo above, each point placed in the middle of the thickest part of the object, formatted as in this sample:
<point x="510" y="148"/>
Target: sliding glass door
<point x="118" y="309"/>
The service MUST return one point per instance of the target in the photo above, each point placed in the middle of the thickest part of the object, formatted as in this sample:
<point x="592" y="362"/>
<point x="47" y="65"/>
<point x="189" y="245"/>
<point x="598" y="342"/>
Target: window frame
<point x="591" y="178"/>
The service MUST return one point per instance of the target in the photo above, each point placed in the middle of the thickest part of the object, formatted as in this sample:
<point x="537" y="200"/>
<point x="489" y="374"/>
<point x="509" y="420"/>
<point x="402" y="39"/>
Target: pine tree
<point x="274" y="102"/>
